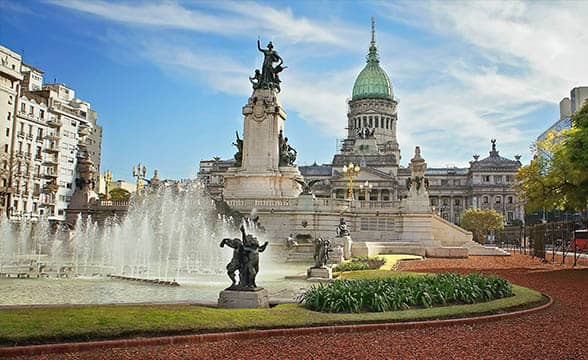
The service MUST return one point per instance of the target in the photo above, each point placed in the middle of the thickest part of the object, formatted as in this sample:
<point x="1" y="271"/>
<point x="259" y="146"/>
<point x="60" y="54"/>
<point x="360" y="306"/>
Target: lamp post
<point x="351" y="171"/>
<point x="367" y="188"/>
<point x="107" y="182"/>
<point x="139" y="172"/>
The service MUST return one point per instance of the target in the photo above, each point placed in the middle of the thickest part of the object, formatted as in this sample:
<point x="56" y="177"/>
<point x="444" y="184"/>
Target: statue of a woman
<point x="268" y="73"/>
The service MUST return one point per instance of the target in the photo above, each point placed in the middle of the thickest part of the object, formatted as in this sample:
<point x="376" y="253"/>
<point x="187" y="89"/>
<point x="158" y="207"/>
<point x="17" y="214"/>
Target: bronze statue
<point x="342" y="228"/>
<point x="269" y="78"/>
<point x="321" y="252"/>
<point x="245" y="259"/>
<point x="239" y="154"/>
<point x="287" y="154"/>
<point x="306" y="187"/>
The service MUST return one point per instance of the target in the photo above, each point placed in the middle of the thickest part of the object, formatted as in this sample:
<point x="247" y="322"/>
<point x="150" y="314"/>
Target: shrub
<point x="361" y="263"/>
<point x="391" y="294"/>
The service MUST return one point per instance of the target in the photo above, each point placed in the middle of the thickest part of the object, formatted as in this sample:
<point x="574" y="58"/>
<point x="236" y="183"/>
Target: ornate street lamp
<point x="107" y="182"/>
<point x="351" y="171"/>
<point x="139" y="172"/>
<point x="367" y="188"/>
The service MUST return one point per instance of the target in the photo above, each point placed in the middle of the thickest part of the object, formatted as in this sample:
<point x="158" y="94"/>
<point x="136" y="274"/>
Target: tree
<point x="557" y="177"/>
<point x="119" y="194"/>
<point x="480" y="222"/>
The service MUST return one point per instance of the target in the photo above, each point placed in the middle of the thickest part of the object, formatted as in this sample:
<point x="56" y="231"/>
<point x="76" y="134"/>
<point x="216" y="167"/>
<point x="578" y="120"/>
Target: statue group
<point x="245" y="260"/>
<point x="268" y="77"/>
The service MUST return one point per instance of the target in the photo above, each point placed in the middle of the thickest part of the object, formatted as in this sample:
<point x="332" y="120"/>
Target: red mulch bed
<point x="560" y="332"/>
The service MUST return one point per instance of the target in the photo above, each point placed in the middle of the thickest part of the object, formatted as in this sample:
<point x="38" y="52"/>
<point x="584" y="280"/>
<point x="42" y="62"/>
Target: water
<point x="169" y="234"/>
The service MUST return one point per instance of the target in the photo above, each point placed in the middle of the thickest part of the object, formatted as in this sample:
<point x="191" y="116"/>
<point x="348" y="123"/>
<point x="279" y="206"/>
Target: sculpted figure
<point x="239" y="145"/>
<point x="269" y="74"/>
<point x="245" y="259"/>
<point x="321" y="252"/>
<point x="342" y="229"/>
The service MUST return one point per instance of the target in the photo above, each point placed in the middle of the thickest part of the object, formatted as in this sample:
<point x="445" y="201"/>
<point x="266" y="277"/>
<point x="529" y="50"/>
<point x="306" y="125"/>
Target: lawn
<point x="50" y="325"/>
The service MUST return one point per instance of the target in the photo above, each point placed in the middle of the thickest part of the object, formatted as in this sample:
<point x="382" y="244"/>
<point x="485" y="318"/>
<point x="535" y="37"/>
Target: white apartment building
<point x="41" y="126"/>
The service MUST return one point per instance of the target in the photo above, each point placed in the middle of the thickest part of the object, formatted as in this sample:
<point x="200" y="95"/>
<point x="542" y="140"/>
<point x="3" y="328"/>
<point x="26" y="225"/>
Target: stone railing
<point x="113" y="203"/>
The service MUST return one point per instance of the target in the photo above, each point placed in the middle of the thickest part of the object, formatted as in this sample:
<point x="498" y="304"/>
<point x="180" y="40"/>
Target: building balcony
<point x="52" y="137"/>
<point x="28" y="156"/>
<point x="49" y="175"/>
<point x="19" y="154"/>
<point x="54" y="123"/>
<point x="38" y="157"/>
<point x="20" y="134"/>
<point x="51" y="149"/>
<point x="29" y="137"/>
<point x="39" y="139"/>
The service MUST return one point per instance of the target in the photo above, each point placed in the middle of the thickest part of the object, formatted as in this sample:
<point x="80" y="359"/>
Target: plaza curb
<point x="252" y="334"/>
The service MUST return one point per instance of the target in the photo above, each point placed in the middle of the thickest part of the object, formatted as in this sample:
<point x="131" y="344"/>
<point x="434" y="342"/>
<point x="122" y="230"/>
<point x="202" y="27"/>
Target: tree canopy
<point x="480" y="222"/>
<point x="557" y="177"/>
<point x="119" y="194"/>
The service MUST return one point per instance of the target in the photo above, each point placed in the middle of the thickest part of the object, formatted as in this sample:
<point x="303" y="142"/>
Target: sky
<point x="169" y="78"/>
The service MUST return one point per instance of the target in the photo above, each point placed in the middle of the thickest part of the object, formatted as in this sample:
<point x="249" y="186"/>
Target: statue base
<point x="244" y="299"/>
<point x="319" y="273"/>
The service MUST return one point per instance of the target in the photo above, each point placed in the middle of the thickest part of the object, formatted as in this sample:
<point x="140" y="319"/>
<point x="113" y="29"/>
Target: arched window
<point x="498" y="199"/>
<point x="340" y="194"/>
<point x="385" y="195"/>
<point x="485" y="199"/>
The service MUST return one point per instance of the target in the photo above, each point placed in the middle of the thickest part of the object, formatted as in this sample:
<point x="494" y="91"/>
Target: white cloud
<point x="234" y="19"/>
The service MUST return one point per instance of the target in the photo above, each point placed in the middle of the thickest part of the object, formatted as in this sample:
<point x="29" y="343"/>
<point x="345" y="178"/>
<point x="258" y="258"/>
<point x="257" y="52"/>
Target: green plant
<point x="361" y="263"/>
<point x="391" y="294"/>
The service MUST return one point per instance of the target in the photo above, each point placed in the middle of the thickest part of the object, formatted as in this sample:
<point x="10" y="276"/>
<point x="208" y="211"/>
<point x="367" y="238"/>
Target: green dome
<point x="372" y="81"/>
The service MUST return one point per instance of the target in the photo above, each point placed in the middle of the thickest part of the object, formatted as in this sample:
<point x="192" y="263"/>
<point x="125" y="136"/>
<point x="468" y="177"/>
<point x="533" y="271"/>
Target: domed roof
<point x="372" y="81"/>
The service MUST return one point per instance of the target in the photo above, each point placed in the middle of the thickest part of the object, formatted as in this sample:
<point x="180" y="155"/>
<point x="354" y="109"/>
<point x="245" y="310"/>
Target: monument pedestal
<point x="320" y="273"/>
<point x="241" y="299"/>
<point x="345" y="243"/>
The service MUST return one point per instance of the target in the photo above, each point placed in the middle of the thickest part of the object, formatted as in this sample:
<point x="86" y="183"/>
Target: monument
<point x="245" y="293"/>
<point x="265" y="161"/>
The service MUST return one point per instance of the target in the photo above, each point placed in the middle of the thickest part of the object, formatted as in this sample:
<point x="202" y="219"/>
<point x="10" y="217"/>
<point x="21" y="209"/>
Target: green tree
<point x="480" y="222"/>
<point x="557" y="177"/>
<point x="119" y="194"/>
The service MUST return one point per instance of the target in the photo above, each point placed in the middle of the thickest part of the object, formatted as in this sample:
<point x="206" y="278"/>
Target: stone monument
<point x="245" y="293"/>
<point x="265" y="161"/>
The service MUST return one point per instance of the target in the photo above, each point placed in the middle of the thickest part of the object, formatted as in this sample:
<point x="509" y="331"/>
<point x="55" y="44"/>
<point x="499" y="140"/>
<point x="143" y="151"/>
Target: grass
<point x="391" y="260"/>
<point x="50" y="325"/>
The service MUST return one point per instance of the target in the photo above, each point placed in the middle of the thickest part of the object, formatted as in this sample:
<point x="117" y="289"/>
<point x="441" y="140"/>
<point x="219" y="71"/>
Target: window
<point x="23" y="107"/>
<point x="9" y="116"/>
<point x="457" y="202"/>
<point x="498" y="199"/>
<point x="510" y="200"/>
<point x="497" y="179"/>
<point x="486" y="178"/>
<point x="31" y="110"/>
<point x="485" y="199"/>
<point x="7" y="131"/>
<point x="41" y="113"/>
<point x="385" y="195"/>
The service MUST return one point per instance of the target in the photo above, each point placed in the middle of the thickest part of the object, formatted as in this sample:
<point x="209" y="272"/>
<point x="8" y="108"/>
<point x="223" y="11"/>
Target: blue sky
<point x="169" y="78"/>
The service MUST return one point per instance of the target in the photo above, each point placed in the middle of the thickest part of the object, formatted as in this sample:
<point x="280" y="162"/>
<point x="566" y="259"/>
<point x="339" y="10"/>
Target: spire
<point x="373" y="52"/>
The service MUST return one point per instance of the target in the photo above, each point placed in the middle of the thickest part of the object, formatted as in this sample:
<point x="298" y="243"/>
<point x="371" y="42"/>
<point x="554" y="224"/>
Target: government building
<point x="371" y="143"/>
